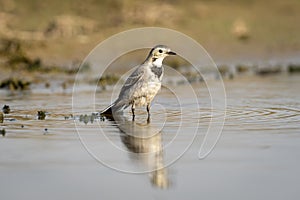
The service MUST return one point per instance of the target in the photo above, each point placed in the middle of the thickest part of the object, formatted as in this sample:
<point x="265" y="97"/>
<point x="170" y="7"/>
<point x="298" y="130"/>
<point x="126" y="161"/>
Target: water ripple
<point x="267" y="117"/>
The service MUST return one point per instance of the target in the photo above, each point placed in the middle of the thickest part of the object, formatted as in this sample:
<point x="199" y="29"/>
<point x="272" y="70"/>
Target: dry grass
<point x="271" y="26"/>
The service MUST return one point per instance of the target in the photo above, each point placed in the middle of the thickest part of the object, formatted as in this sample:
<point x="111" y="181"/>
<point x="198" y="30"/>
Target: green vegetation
<point x="14" y="84"/>
<point x="293" y="68"/>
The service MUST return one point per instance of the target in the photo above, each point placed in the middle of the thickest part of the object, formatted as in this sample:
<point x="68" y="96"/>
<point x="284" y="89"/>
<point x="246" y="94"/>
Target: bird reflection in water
<point x="144" y="142"/>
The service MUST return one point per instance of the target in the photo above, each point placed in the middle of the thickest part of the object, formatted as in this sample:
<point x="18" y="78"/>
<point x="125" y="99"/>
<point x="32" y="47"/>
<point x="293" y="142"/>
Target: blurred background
<point x="64" y="32"/>
<point x="256" y="46"/>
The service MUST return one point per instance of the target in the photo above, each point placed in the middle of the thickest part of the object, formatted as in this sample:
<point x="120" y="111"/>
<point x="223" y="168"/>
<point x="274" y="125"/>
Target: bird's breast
<point x="157" y="71"/>
<point x="146" y="94"/>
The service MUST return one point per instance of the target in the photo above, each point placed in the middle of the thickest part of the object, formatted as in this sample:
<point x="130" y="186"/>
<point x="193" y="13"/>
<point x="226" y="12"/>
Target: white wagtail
<point x="143" y="84"/>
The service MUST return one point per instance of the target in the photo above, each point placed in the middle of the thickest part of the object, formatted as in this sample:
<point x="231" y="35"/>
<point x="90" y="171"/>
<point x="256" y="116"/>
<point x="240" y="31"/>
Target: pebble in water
<point x="68" y="117"/>
<point x="6" y="109"/>
<point x="41" y="115"/>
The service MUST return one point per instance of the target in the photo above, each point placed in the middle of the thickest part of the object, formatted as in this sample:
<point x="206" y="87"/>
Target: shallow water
<point x="257" y="156"/>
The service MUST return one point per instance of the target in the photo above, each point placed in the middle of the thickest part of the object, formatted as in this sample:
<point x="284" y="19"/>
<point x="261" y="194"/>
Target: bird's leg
<point x="132" y="110"/>
<point x="148" y="111"/>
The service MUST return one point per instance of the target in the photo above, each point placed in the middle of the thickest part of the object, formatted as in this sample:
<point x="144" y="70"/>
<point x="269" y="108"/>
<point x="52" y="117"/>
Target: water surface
<point x="257" y="156"/>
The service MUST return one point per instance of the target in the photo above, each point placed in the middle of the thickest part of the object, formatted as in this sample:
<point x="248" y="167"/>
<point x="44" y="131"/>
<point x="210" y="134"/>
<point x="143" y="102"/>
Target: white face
<point x="161" y="52"/>
<point x="158" y="53"/>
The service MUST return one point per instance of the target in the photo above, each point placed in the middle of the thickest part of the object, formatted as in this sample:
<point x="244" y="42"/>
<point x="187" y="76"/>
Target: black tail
<point x="107" y="111"/>
<point x="115" y="107"/>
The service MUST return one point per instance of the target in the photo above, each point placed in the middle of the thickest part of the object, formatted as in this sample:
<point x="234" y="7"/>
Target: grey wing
<point x="131" y="82"/>
<point x="130" y="86"/>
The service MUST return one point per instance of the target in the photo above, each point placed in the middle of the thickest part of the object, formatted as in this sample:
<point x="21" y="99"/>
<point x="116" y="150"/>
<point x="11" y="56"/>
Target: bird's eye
<point x="160" y="51"/>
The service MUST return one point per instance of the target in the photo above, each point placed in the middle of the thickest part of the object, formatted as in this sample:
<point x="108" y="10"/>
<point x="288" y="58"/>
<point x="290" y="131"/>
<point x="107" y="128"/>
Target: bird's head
<point x="161" y="51"/>
<point x="157" y="55"/>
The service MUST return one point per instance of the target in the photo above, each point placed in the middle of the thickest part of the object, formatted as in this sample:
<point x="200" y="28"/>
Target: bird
<point x="142" y="85"/>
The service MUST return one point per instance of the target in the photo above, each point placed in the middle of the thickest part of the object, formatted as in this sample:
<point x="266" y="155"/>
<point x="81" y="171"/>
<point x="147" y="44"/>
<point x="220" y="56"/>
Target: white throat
<point x="158" y="62"/>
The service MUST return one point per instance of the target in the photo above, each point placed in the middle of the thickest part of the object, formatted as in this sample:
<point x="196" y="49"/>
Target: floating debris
<point x="81" y="118"/>
<point x="41" y="115"/>
<point x="92" y="118"/>
<point x="22" y="126"/>
<point x="6" y="109"/>
<point x="102" y="118"/>
<point x="1" y="117"/>
<point x="88" y="118"/>
<point x="3" y="132"/>
<point x="68" y="117"/>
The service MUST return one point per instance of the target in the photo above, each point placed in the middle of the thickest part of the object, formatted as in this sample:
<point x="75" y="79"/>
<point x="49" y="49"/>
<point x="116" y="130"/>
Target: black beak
<point x="171" y="53"/>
